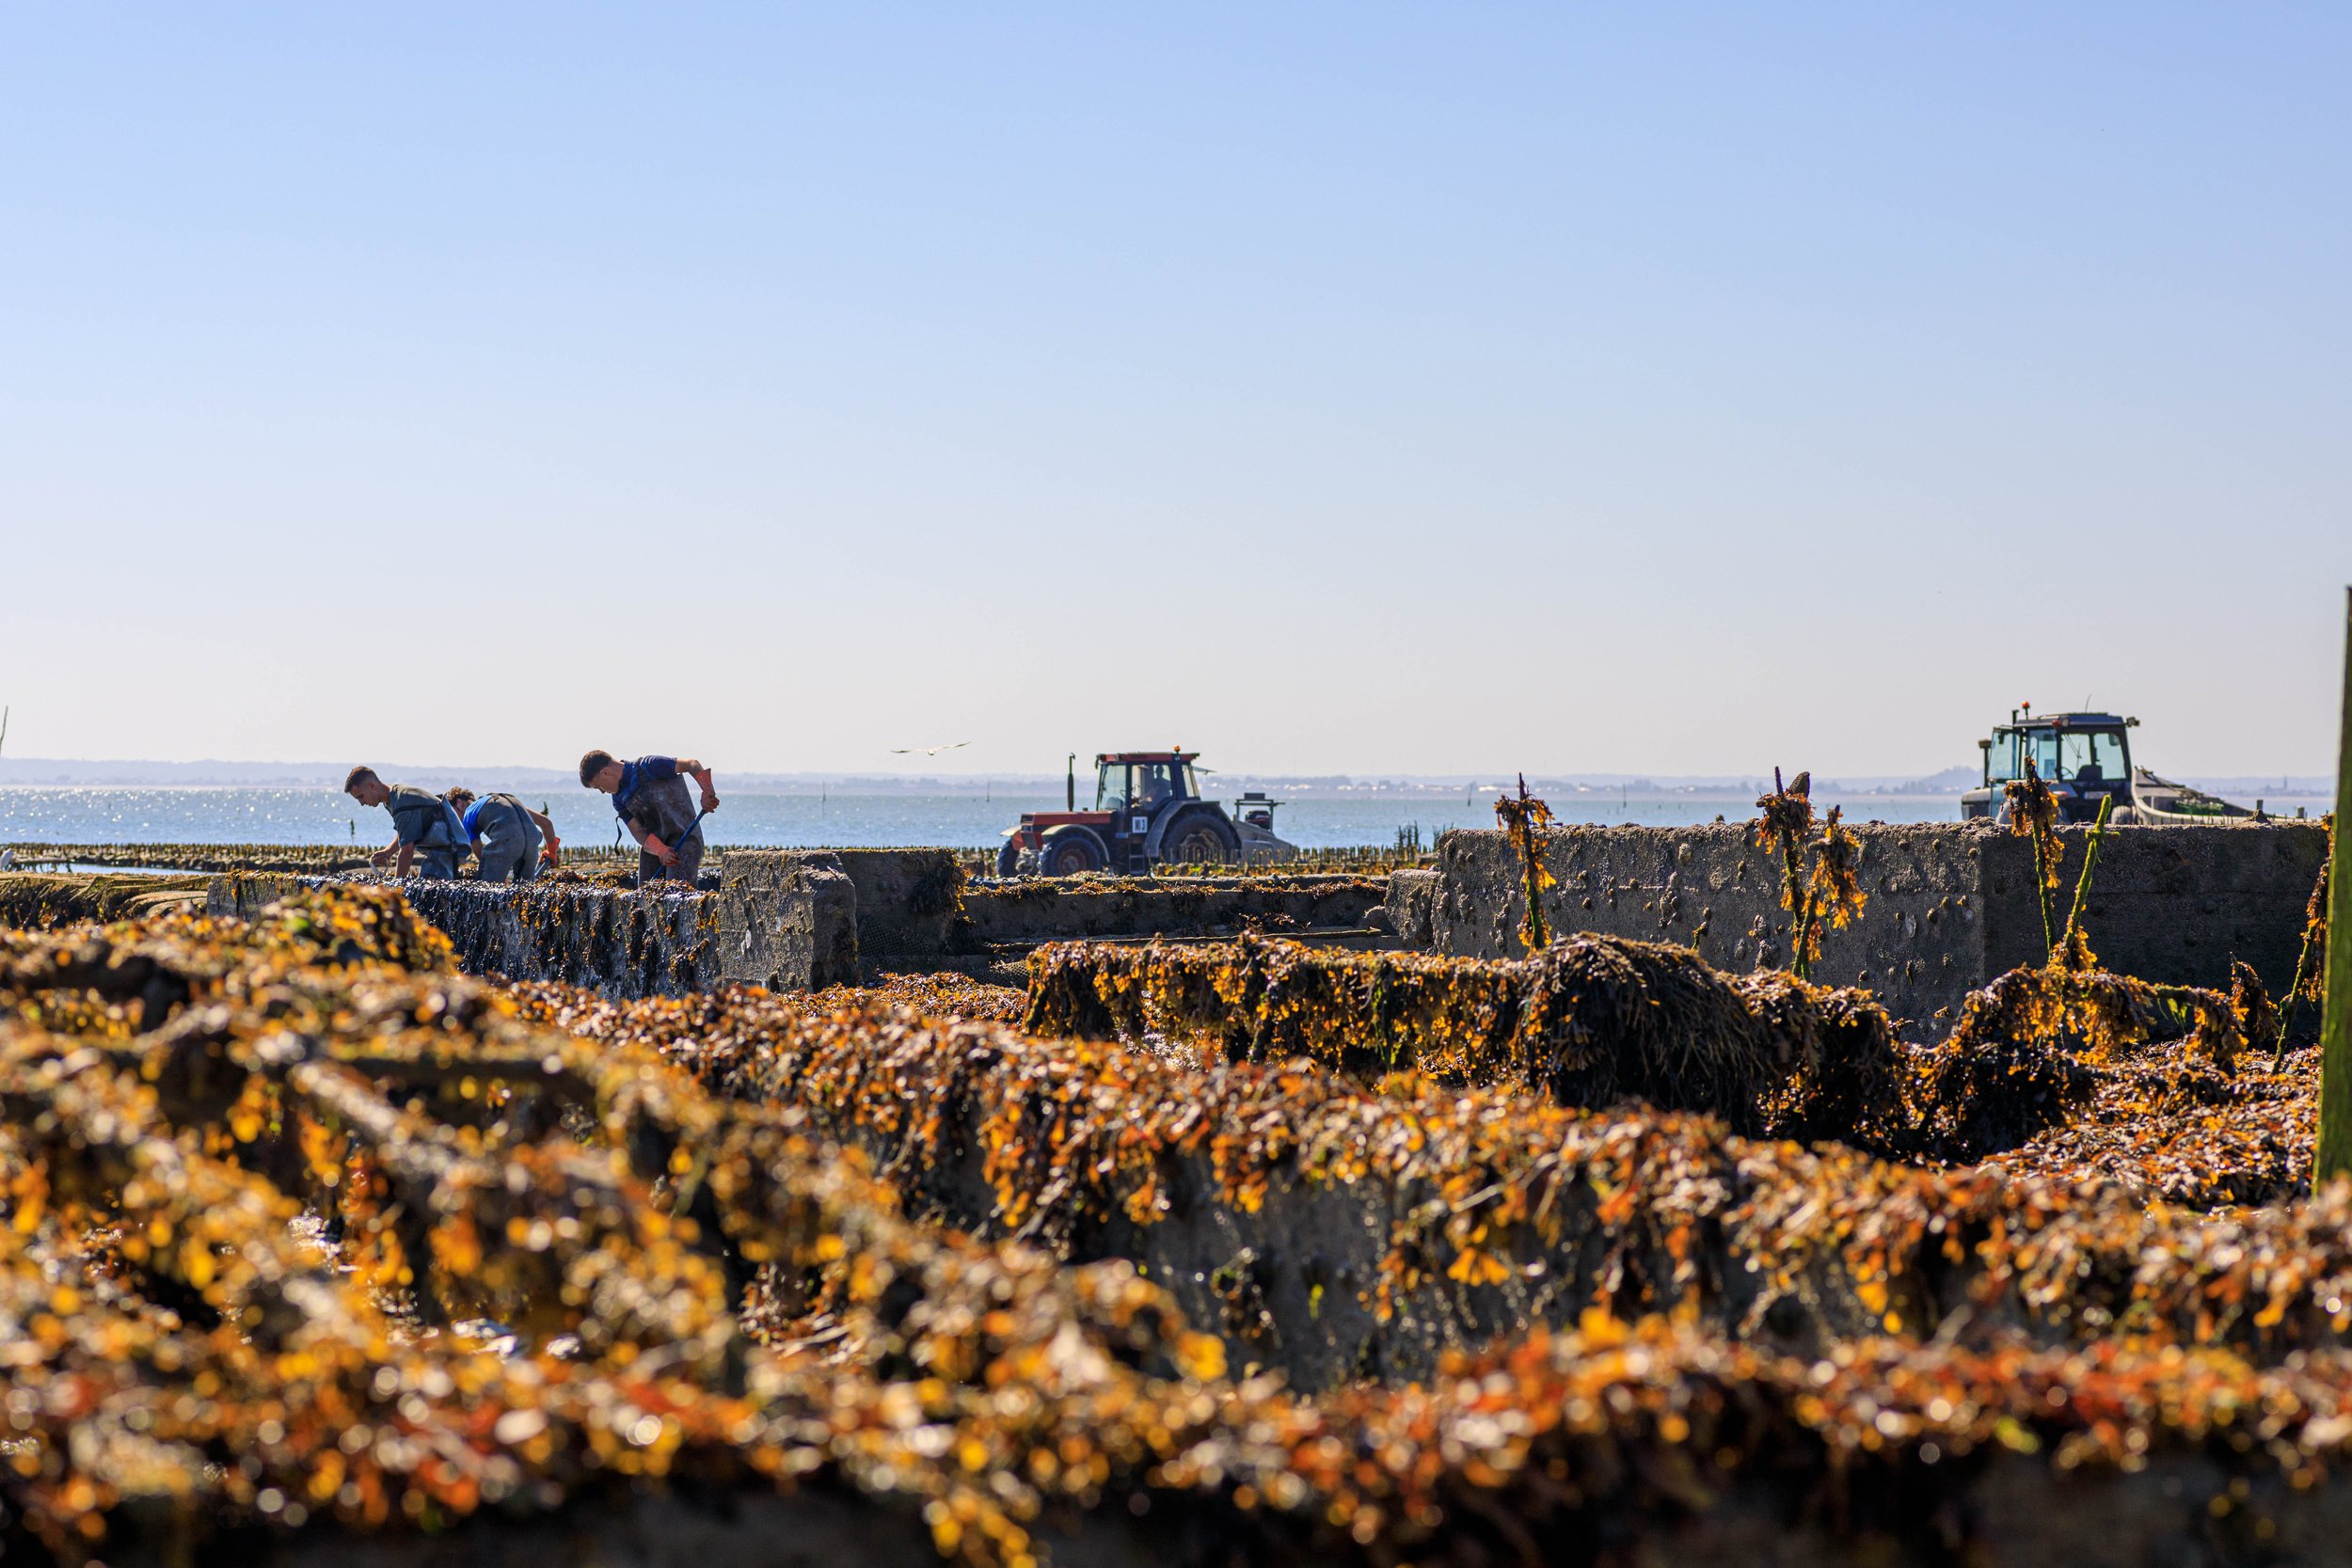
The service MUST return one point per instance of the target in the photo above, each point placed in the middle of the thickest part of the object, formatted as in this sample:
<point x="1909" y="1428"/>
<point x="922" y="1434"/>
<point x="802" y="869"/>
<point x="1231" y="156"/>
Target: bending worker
<point x="509" y="838"/>
<point x="425" y="832"/>
<point x="651" y="798"/>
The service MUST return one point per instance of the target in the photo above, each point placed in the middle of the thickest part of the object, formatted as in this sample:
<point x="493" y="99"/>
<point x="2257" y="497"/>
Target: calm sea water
<point x="61" y="814"/>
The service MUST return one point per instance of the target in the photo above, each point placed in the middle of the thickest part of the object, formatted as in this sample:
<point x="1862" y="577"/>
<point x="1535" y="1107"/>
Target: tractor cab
<point x="1143" y="783"/>
<point x="2083" y="757"/>
<point x="1147" y="811"/>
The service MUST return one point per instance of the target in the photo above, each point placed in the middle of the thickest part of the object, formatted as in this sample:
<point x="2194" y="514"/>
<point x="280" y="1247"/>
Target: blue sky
<point x="1365" y="388"/>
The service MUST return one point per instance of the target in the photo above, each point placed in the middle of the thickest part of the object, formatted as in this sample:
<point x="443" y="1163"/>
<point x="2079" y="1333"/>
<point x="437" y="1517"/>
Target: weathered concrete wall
<point x="787" y="920"/>
<point x="803" y="918"/>
<point x="2170" y="904"/>
<point x="786" y="924"/>
<point x="1920" y="945"/>
<point x="32" y="899"/>
<point x="1286" y="1282"/>
<point x="915" y="913"/>
<point x="1044" y="911"/>
<point x="623" y="943"/>
<point x="1951" y="904"/>
<point x="1410" y="909"/>
<point x="907" y="900"/>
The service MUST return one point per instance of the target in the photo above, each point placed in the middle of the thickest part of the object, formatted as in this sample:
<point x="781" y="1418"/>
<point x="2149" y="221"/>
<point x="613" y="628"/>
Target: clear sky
<point x="1342" y="388"/>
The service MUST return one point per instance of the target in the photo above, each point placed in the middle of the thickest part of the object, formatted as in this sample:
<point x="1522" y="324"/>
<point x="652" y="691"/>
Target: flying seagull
<point x="927" y="750"/>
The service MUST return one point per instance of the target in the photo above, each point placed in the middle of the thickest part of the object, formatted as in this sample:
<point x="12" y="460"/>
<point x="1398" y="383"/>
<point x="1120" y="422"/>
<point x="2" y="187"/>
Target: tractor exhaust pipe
<point x="1071" y="784"/>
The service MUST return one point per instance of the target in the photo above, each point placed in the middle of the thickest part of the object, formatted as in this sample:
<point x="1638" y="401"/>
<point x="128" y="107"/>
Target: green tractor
<point x="2086" y="758"/>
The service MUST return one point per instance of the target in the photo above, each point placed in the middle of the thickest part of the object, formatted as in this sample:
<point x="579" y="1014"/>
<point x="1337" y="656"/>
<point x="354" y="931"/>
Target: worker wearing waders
<point x="509" y="839"/>
<point x="650" y="797"/>
<point x="426" y="834"/>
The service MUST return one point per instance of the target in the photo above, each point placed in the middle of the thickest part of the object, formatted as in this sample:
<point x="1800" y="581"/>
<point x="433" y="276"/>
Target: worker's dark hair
<point x="358" y="776"/>
<point x="459" y="797"/>
<point x="591" y="765"/>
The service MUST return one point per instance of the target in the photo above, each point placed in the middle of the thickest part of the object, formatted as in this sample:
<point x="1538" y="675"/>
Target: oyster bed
<point x="314" y="1247"/>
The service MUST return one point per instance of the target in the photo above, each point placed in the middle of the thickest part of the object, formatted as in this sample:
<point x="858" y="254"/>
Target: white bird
<point x="927" y="750"/>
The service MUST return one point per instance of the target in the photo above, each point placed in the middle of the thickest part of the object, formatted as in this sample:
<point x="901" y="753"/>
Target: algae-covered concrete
<point x="1073" y="909"/>
<point x="787" y="920"/>
<point x="913" y="911"/>
<point x="622" y="943"/>
<point x="41" y="898"/>
<point x="804" y="919"/>
<point x="1951" y="905"/>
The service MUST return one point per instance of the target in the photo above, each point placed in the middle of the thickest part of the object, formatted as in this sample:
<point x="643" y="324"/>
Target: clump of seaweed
<point x="1831" y="892"/>
<point x="1477" y="1187"/>
<point x="1599" y="1020"/>
<point x="2260" y="1023"/>
<point x="1589" y="1021"/>
<point x="2026" y="1055"/>
<point x="1523" y="818"/>
<point x="940" y="996"/>
<point x="1834" y="886"/>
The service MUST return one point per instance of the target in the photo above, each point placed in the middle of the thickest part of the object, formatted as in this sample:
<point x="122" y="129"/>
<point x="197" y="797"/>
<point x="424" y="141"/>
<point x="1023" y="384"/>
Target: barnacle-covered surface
<point x="1427" y="1205"/>
<point x="936" y="996"/>
<point x="521" y="1274"/>
<point x="594" y="929"/>
<point x="304" y="1237"/>
<point x="1591" y="1020"/>
<point x="31" y="898"/>
<point x="316" y="859"/>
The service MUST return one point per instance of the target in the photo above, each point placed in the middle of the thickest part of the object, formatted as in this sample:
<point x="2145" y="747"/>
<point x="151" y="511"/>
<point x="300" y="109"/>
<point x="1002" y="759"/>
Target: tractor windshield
<point x="2092" y="757"/>
<point x="1111" y="792"/>
<point x="2086" y="756"/>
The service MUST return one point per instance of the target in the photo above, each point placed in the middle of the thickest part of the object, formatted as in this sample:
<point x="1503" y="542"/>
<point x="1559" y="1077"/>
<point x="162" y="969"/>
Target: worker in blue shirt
<point x="650" y="797"/>
<point x="509" y="838"/>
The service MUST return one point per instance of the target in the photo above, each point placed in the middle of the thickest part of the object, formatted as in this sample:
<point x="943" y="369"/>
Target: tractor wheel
<point x="1069" y="851"/>
<point x="1008" y="859"/>
<point x="1203" y="838"/>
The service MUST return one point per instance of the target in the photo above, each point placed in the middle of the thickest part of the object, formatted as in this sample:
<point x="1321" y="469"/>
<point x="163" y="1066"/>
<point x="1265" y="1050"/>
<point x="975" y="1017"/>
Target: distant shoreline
<point x="34" y="773"/>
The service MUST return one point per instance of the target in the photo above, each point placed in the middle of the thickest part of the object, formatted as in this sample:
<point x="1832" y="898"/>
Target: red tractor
<point x="1148" y="812"/>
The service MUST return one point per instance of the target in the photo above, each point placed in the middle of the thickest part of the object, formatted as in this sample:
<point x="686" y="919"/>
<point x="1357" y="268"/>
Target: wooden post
<point x="2335" y="1027"/>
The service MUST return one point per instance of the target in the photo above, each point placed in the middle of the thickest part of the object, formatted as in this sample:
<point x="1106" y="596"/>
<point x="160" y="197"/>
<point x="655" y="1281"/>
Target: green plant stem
<point x="2090" y="860"/>
<point x="2334" y="1154"/>
<point x="2041" y="898"/>
<point x="1802" y="967"/>
<point x="1538" y="934"/>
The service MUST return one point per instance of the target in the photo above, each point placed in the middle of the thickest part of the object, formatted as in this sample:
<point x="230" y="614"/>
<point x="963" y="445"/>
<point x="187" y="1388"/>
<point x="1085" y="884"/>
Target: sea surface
<point x="223" y="814"/>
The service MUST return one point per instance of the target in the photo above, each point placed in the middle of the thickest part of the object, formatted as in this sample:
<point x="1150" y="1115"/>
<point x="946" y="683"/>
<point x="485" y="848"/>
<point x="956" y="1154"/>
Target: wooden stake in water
<point x="2335" y="1029"/>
